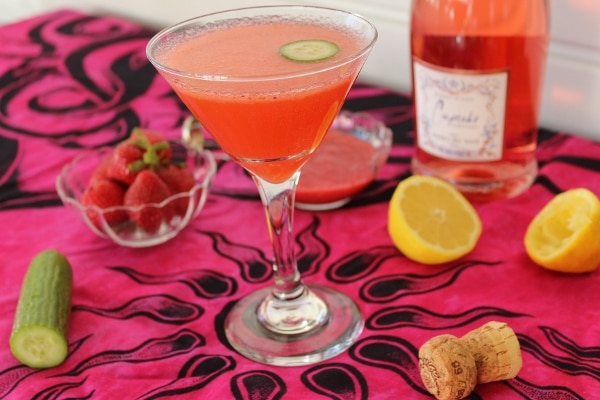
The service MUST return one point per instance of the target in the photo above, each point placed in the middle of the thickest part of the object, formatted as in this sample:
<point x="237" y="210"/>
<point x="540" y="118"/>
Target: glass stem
<point x="290" y="308"/>
<point x="278" y="201"/>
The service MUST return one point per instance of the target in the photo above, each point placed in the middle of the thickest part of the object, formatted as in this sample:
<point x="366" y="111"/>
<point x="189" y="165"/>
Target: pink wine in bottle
<point x="478" y="71"/>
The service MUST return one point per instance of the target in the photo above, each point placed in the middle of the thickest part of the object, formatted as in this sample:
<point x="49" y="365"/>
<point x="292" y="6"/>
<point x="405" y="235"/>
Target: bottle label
<point x="460" y="114"/>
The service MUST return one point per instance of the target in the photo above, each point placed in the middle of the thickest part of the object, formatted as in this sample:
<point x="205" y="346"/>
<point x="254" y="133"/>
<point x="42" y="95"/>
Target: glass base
<point x="482" y="182"/>
<point x="341" y="326"/>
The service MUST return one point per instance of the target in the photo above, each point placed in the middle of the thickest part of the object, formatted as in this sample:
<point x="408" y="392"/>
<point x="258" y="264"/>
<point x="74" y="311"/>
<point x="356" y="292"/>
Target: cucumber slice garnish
<point x="309" y="50"/>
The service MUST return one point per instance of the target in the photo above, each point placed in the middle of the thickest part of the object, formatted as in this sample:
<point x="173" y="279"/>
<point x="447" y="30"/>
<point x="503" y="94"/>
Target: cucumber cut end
<point x="38" y="346"/>
<point x="309" y="50"/>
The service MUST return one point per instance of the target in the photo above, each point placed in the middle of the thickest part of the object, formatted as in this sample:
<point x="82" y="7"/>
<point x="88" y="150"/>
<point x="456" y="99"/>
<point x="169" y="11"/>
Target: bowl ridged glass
<point x="76" y="175"/>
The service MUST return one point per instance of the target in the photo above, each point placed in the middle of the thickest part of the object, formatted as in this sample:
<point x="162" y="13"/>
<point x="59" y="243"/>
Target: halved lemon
<point x="431" y="222"/>
<point x="565" y="235"/>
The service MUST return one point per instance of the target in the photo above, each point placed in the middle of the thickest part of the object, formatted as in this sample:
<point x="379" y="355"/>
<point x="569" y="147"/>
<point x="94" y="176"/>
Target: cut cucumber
<point x="309" y="50"/>
<point x="39" y="334"/>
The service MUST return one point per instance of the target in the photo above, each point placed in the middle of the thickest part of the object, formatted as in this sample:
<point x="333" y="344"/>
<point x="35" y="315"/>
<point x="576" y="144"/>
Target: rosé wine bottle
<point x="478" y="70"/>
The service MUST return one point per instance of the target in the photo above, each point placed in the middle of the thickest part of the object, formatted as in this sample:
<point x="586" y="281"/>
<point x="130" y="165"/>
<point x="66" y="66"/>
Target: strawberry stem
<point x="153" y="153"/>
<point x="136" y="166"/>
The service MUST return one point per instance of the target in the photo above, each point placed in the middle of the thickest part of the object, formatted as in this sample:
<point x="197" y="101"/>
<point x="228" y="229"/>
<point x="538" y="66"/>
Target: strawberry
<point x="148" y="188"/>
<point x="126" y="162"/>
<point x="144" y="149"/>
<point x="101" y="172"/>
<point x="104" y="193"/>
<point x="179" y="180"/>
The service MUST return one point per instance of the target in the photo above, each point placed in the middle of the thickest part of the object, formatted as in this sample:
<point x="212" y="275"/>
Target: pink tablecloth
<point x="147" y="323"/>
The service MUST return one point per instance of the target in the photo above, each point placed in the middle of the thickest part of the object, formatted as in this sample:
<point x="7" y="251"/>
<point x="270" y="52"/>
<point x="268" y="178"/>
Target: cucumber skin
<point x="45" y="301"/>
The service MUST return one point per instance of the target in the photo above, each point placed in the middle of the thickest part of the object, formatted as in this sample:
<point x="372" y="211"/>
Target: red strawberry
<point x="126" y="162"/>
<point x="148" y="188"/>
<point x="178" y="179"/>
<point x="153" y="143"/>
<point x="101" y="172"/>
<point x="104" y="193"/>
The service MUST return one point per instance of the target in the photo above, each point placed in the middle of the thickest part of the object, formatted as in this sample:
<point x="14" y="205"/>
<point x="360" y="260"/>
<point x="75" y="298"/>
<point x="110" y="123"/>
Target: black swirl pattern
<point x="337" y="382"/>
<point x="258" y="385"/>
<point x="161" y="308"/>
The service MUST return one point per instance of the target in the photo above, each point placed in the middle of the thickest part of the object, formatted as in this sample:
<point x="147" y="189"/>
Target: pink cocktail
<point x="267" y="82"/>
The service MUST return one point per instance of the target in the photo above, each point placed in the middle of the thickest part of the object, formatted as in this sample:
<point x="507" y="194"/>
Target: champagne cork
<point x="451" y="367"/>
<point x="447" y="368"/>
<point x="496" y="350"/>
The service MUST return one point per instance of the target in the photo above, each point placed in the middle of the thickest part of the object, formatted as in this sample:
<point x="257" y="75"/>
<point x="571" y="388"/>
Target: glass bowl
<point x="75" y="176"/>
<point x="346" y="162"/>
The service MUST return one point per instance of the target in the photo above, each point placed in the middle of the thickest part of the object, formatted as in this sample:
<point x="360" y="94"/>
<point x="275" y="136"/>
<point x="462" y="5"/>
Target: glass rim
<point x="191" y="22"/>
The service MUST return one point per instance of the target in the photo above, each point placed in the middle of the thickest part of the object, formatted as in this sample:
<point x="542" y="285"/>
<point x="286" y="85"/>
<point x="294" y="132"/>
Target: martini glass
<point x="269" y="110"/>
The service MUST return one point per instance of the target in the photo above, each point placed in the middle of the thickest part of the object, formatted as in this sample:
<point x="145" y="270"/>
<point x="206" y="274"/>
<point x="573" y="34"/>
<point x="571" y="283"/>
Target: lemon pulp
<point x="565" y="234"/>
<point x="432" y="222"/>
